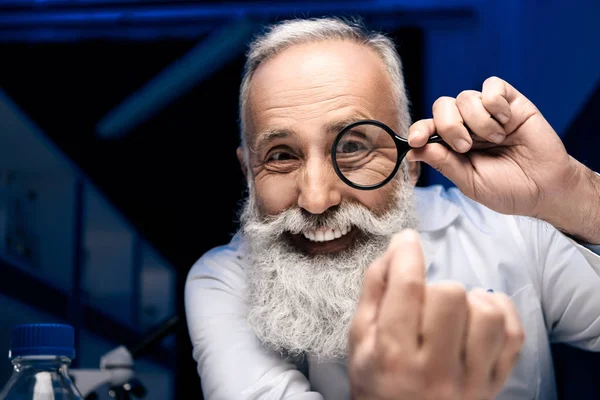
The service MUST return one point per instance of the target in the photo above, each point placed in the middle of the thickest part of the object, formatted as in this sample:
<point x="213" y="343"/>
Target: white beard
<point x="300" y="303"/>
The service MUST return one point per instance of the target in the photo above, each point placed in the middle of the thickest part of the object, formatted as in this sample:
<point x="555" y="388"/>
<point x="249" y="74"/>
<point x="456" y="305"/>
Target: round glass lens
<point x="365" y="154"/>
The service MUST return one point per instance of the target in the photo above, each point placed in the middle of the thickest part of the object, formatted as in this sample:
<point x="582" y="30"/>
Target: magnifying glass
<point x="367" y="154"/>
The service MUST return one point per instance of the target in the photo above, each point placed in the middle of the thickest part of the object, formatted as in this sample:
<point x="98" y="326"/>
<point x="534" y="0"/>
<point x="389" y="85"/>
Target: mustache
<point x="295" y="220"/>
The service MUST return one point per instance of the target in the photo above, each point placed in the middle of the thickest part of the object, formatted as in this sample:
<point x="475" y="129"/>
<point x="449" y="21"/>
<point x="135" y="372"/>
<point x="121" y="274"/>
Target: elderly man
<point x="328" y="269"/>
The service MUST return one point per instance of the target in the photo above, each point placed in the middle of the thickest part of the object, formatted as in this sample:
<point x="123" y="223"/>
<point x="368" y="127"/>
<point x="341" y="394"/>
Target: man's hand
<point x="412" y="341"/>
<point x="515" y="163"/>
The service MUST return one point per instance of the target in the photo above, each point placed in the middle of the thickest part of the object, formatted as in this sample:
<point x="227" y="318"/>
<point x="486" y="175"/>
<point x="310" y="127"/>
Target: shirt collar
<point x="435" y="210"/>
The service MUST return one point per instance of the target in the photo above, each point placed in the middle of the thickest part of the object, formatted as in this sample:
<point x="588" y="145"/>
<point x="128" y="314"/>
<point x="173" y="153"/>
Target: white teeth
<point x="319" y="236"/>
<point x="327" y="235"/>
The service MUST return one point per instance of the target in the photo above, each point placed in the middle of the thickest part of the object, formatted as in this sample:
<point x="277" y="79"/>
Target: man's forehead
<point x="324" y="60"/>
<point x="309" y="81"/>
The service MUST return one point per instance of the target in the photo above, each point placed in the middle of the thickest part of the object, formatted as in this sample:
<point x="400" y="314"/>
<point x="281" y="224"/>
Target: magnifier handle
<point x="438" y="139"/>
<point x="435" y="139"/>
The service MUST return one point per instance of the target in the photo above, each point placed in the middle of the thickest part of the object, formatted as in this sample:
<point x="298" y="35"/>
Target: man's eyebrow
<point x="335" y="127"/>
<point x="269" y="135"/>
<point x="272" y="134"/>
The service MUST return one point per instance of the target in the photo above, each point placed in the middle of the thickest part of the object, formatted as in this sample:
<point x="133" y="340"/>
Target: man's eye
<point x="281" y="161"/>
<point x="350" y="146"/>
<point x="280" y="156"/>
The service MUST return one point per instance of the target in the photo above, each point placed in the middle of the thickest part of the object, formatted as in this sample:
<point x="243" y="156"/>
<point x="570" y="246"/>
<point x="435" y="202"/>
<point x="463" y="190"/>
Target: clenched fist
<point x="411" y="340"/>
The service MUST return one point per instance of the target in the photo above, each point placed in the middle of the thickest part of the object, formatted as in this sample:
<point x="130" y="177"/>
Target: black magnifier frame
<point x="402" y="147"/>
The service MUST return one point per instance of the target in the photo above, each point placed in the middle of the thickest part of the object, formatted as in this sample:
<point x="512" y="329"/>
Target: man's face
<point x="298" y="102"/>
<point x="311" y="236"/>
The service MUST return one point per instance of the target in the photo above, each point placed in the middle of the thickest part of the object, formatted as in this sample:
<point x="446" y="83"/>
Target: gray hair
<point x="300" y="31"/>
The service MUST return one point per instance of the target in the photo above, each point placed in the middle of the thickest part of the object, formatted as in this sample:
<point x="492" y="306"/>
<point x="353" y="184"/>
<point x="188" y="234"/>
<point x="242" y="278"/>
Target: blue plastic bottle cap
<point x="42" y="340"/>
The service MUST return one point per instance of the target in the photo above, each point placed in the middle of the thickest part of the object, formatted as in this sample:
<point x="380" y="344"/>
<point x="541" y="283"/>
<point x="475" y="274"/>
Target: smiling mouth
<point x="325" y="240"/>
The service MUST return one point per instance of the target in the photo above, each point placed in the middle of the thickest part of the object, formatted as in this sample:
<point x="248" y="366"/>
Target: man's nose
<point x="319" y="187"/>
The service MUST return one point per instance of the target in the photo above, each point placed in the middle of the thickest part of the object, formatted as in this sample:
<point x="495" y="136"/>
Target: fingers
<point x="452" y="165"/>
<point x="484" y="343"/>
<point x="399" y="317"/>
<point x="420" y="131"/>
<point x="494" y="97"/>
<point x="515" y="337"/>
<point x="485" y="113"/>
<point x="370" y="298"/>
<point x="450" y="124"/>
<point x="476" y="116"/>
<point x="444" y="328"/>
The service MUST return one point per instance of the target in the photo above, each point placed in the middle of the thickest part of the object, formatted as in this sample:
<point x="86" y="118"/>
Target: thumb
<point x="454" y="166"/>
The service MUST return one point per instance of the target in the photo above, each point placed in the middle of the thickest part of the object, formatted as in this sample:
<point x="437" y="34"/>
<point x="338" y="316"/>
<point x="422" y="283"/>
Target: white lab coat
<point x="553" y="281"/>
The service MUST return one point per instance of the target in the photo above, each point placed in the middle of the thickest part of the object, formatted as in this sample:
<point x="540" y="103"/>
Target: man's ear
<point x="240" y="156"/>
<point x="414" y="171"/>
